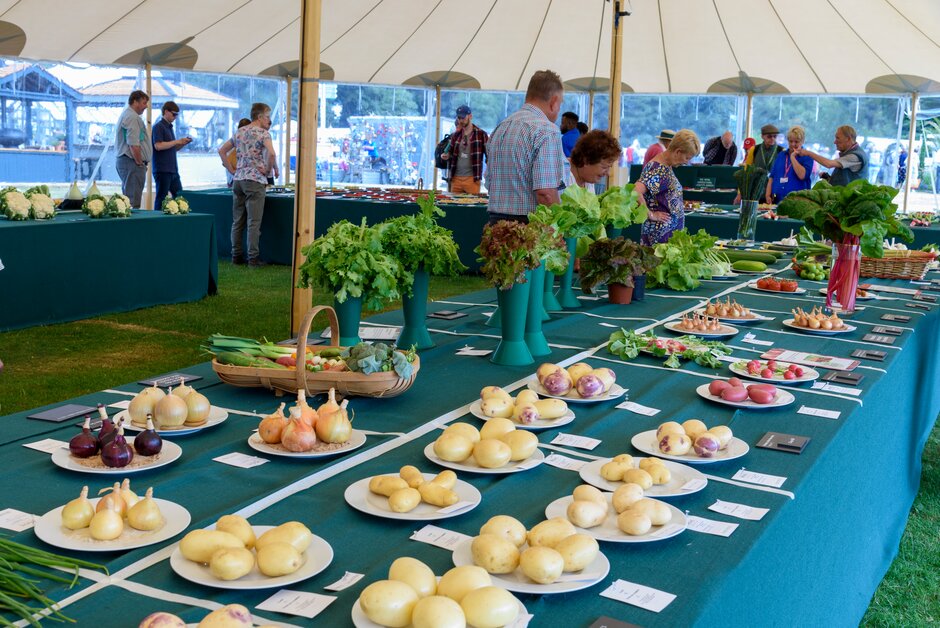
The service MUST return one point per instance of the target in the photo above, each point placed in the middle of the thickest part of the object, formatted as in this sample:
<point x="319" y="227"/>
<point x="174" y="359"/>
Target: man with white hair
<point x="852" y="162"/>
<point x="721" y="150"/>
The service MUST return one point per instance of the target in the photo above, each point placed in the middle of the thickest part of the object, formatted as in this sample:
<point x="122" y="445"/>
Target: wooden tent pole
<point x="287" y="132"/>
<point x="747" y="115"/>
<point x="306" y="197"/>
<point x="437" y="128"/>
<point x="148" y="199"/>
<point x="912" y="135"/>
<point x="616" y="175"/>
<point x="590" y="120"/>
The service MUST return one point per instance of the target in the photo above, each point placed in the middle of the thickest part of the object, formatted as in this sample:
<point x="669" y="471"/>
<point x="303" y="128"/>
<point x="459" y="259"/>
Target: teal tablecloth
<point x="73" y="267"/>
<point x="812" y="560"/>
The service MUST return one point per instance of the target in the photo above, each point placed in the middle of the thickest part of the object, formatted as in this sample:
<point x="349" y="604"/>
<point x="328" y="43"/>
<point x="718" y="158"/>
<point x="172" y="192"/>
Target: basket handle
<point x="301" y="368"/>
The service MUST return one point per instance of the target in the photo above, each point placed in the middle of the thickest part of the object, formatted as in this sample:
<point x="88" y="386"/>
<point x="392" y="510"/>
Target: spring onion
<point x="254" y="348"/>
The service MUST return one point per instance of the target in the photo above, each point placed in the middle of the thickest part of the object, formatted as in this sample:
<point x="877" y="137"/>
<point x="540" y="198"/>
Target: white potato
<point x="586" y="514"/>
<point x="550" y="532"/>
<point x="494" y="553"/>
<point x="388" y="603"/>
<point x="626" y="495"/>
<point x="542" y="564"/>
<point x="578" y="551"/>
<point x="507" y="527"/>
<point x="459" y="581"/>
<point x="490" y="607"/>
<point x="415" y="574"/>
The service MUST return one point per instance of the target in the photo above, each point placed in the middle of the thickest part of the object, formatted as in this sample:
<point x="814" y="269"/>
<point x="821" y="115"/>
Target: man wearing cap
<point x="166" y="174"/>
<point x="721" y="150"/>
<point x="763" y="155"/>
<point x="132" y="147"/>
<point x="852" y="162"/>
<point x="466" y="154"/>
<point x="569" y="132"/>
<point x="660" y="146"/>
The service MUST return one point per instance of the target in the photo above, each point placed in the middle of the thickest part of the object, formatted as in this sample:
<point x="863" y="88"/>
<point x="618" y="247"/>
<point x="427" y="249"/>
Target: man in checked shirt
<point x="525" y="159"/>
<point x="467" y="152"/>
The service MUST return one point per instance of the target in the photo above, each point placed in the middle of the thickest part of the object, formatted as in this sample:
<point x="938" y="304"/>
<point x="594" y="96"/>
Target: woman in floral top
<point x="660" y="191"/>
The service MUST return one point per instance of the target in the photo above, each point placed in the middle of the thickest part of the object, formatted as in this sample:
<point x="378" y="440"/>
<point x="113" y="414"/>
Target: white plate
<point x="871" y="296"/>
<point x="758" y="318"/>
<point x="356" y="440"/>
<point x="541" y="424"/>
<point x="809" y="374"/>
<point x="520" y="583"/>
<point x="360" y="620"/>
<point x="471" y="466"/>
<point x="726" y="331"/>
<point x="170" y="452"/>
<point x="616" y="391"/>
<point x="753" y="286"/>
<point x="362" y="499"/>
<point x="49" y="529"/>
<point x="846" y="328"/>
<point x="782" y="245"/>
<point x="784" y="398"/>
<point x="725" y="277"/>
<point x="608" y="530"/>
<point x="647" y="443"/>
<point x="591" y="473"/>
<point x="216" y="416"/>
<point x="317" y="558"/>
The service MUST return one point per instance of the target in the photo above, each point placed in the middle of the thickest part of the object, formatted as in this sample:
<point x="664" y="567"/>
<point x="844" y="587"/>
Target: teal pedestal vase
<point x="513" y="305"/>
<point x="415" y="309"/>
<point x="566" y="296"/>
<point x="349" y="312"/>
<point x="613" y="232"/>
<point x="548" y="298"/>
<point x="534" y="338"/>
<point x="494" y="320"/>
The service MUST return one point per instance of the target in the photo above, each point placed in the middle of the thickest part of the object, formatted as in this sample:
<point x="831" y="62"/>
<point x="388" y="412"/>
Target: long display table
<point x="815" y="558"/>
<point x="74" y="267"/>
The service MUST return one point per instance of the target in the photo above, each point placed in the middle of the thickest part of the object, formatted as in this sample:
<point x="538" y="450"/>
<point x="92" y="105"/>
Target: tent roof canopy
<point x="679" y="46"/>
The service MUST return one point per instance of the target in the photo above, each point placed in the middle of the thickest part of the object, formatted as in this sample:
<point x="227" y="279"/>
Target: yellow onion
<point x="182" y="390"/>
<point x="308" y="414"/>
<point x="298" y="436"/>
<point x="335" y="426"/>
<point x="78" y="513"/>
<point x="272" y="425"/>
<point x="130" y="497"/>
<point x="197" y="408"/>
<point x="141" y="406"/>
<point x="145" y="514"/>
<point x="170" y="411"/>
<point x="106" y="525"/>
<point x="113" y="500"/>
<point x="156" y="393"/>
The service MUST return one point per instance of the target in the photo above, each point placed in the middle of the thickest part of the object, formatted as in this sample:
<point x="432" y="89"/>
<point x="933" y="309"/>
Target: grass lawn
<point x="48" y="364"/>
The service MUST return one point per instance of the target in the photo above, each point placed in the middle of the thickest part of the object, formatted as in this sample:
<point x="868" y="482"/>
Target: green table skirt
<point x="812" y="560"/>
<point x="73" y="267"/>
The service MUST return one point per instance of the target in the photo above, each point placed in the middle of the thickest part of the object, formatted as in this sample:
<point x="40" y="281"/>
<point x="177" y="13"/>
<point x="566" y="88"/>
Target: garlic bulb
<point x="78" y="513"/>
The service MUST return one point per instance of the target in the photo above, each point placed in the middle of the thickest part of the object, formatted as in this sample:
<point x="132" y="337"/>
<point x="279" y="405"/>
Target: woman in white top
<point x="591" y="159"/>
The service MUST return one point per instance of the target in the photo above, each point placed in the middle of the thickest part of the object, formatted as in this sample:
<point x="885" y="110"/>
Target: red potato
<point x="761" y="396"/>
<point x="734" y="393"/>
<point x="734" y="381"/>
<point x="768" y="387"/>
<point x="717" y="386"/>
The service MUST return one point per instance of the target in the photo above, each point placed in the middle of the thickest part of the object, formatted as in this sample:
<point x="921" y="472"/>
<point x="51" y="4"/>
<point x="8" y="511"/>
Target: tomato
<point x="788" y="285"/>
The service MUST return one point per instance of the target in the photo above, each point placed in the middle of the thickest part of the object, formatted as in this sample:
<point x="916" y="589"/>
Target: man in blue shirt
<point x="569" y="132"/>
<point x="166" y="173"/>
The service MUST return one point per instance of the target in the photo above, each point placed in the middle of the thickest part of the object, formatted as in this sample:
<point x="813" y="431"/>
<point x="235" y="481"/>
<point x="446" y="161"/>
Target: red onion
<point x="84" y="445"/>
<point x="148" y="442"/>
<point x="105" y="433"/>
<point x="117" y="453"/>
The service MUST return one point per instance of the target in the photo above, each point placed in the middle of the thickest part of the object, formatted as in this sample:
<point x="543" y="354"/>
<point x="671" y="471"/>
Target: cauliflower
<point x="183" y="204"/>
<point x="95" y="206"/>
<point x="170" y="207"/>
<point x="41" y="206"/>
<point x="14" y="204"/>
<point x="118" y="207"/>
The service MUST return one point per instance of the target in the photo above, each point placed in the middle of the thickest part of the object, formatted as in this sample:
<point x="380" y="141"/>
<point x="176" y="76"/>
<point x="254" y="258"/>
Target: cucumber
<point x="750" y="256"/>
<point x="749" y="266"/>
<point x="777" y="254"/>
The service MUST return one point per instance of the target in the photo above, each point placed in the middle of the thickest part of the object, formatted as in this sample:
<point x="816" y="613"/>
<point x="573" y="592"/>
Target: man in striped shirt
<point x="525" y="158"/>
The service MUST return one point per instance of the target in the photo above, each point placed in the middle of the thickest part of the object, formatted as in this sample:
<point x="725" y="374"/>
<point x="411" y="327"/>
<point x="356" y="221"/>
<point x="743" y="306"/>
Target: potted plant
<point x="856" y="218"/>
<point x="645" y="262"/>
<point x="349" y="260"/>
<point x="508" y="250"/>
<point x="553" y="257"/>
<point x="615" y="262"/>
<point x="621" y="208"/>
<point x="423" y="248"/>
<point x="578" y="215"/>
<point x="752" y="183"/>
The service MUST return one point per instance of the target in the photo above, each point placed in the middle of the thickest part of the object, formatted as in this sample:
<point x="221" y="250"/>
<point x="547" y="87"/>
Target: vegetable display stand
<point x="747" y="223"/>
<point x="639" y="287"/>
<point x="349" y="313"/>
<point x="290" y="380"/>
<point x="534" y="338"/>
<point x="415" y="309"/>
<point x="613" y="232"/>
<point x="843" y="278"/>
<point x="549" y="300"/>
<point x="495" y="320"/>
<point x="513" y="304"/>
<point x="566" y="295"/>
<point x="619" y="293"/>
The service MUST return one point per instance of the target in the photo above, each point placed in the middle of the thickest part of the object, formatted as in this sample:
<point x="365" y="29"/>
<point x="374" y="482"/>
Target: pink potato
<point x="734" y="393"/>
<point x="768" y="387"/>
<point x="675" y="444"/>
<point x="557" y="383"/>
<point x="707" y="445"/>
<point x="717" y="386"/>
<point x="162" y="620"/>
<point x="761" y="396"/>
<point x="734" y="381"/>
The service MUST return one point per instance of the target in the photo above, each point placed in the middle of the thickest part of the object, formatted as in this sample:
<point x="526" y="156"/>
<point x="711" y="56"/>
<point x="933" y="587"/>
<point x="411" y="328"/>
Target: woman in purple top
<point x="791" y="170"/>
<point x="660" y="191"/>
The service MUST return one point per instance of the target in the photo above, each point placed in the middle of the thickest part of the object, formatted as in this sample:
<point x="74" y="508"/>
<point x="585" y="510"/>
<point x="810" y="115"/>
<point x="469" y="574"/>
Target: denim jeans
<point x="133" y="178"/>
<point x="165" y="182"/>
<point x="247" y="206"/>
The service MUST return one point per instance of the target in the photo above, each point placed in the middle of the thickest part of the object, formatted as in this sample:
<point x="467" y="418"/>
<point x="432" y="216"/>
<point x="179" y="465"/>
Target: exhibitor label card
<point x="896" y="318"/>
<point x="811" y="359"/>
<point x="789" y="443"/>
<point x="170" y="379"/>
<point x="638" y="595"/>
<point x="879" y="338"/>
<point x="870" y="354"/>
<point x="891" y="331"/>
<point x="62" y="413"/>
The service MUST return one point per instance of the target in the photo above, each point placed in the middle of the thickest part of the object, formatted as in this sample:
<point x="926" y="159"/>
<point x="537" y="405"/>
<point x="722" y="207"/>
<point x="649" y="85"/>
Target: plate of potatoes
<point x="657" y="478"/>
<point x="411" y="495"/>
<point x="624" y="516"/>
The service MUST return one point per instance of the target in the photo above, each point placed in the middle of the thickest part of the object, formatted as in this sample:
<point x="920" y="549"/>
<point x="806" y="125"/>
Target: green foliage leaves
<point x="628" y="344"/>
<point x="508" y="249"/>
<point x="348" y="259"/>
<point x="686" y="258"/>
<point x="858" y="210"/>
<point x="752" y="182"/>
<point x="620" y="207"/>
<point x="615" y="261"/>
<point x="578" y="214"/>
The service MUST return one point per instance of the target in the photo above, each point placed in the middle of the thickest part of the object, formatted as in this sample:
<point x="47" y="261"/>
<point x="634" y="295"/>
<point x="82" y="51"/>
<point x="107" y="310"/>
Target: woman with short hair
<point x="591" y="159"/>
<point x="791" y="170"/>
<point x="660" y="191"/>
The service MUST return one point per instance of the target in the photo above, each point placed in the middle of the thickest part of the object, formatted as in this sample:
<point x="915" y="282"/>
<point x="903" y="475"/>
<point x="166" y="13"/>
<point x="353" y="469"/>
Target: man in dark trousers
<point x="166" y="174"/>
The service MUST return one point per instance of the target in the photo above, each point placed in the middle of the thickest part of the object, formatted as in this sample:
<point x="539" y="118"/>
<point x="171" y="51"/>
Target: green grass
<point x="49" y="364"/>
